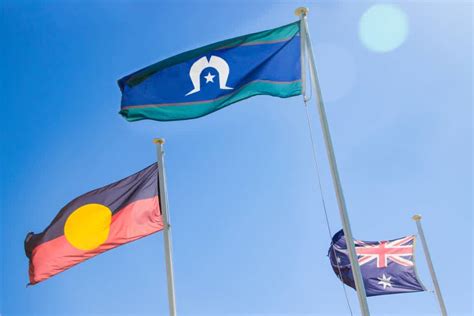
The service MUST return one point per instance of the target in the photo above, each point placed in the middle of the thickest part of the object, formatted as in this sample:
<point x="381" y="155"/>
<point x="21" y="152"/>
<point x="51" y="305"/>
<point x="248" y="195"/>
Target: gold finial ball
<point x="301" y="11"/>
<point x="416" y="217"/>
<point x="159" y="141"/>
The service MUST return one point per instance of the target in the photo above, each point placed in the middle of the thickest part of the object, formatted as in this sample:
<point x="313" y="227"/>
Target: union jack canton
<point x="387" y="267"/>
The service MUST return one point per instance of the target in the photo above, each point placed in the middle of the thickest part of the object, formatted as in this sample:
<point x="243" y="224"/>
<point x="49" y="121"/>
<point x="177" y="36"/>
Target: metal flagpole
<point x="302" y="13"/>
<point x="417" y="219"/>
<point x="166" y="222"/>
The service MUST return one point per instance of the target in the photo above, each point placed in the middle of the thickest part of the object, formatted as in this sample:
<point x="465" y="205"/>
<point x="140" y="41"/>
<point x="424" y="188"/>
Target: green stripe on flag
<point x="281" y="33"/>
<point x="184" y="111"/>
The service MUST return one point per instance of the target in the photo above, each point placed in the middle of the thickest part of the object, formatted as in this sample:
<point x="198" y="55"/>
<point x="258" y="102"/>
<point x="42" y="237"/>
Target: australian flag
<point x="387" y="267"/>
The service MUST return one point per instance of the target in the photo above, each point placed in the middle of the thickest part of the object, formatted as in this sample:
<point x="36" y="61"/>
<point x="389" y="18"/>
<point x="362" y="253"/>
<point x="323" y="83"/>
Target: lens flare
<point x="383" y="28"/>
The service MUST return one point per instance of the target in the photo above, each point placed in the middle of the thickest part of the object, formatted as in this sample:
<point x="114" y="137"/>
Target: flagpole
<point x="166" y="223"/>
<point x="439" y="296"/>
<point x="359" y="284"/>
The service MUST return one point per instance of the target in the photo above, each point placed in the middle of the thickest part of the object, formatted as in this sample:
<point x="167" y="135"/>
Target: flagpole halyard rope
<point x="306" y="99"/>
<point x="323" y="202"/>
<point x="358" y="281"/>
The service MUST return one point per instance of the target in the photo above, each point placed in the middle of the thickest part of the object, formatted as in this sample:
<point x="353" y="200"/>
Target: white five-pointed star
<point x="209" y="77"/>
<point x="385" y="281"/>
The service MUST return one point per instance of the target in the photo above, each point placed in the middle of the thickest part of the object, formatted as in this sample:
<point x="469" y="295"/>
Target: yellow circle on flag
<point x="88" y="226"/>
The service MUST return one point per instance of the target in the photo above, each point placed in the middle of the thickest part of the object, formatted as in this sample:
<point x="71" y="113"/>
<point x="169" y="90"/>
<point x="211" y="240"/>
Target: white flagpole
<point x="417" y="219"/>
<point x="359" y="284"/>
<point x="166" y="222"/>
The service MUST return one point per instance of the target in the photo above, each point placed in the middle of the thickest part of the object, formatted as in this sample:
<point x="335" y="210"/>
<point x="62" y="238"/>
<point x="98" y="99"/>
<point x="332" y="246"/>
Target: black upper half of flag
<point x="387" y="267"/>
<point x="141" y="185"/>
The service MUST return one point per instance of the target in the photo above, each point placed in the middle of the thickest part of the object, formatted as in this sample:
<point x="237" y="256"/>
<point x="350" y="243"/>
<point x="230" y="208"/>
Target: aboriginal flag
<point x="95" y="222"/>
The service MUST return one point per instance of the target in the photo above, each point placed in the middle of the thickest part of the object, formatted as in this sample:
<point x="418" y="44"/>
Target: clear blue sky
<point x="249" y="231"/>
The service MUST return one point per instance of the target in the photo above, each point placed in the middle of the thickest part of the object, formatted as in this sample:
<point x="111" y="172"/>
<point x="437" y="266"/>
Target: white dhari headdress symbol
<point x="215" y="62"/>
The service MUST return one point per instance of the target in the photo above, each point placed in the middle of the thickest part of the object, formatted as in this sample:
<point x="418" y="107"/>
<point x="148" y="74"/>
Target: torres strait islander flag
<point x="95" y="222"/>
<point x="207" y="79"/>
<point x="387" y="267"/>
